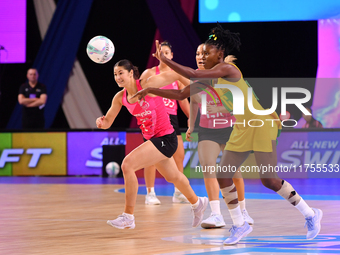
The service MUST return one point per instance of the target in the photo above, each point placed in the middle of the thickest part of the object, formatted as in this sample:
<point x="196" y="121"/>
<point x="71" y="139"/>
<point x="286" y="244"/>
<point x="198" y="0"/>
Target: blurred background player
<point x="171" y="106"/>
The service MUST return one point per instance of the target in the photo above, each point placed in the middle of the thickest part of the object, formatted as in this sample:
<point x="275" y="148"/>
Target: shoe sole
<point x="128" y="227"/>
<point x="152" y="203"/>
<point x="178" y="201"/>
<point x="321" y="215"/>
<point x="207" y="225"/>
<point x="244" y="235"/>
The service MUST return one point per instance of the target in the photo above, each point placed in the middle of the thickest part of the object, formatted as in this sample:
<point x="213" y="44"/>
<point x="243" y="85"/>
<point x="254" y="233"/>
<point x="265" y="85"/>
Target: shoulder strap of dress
<point x="139" y="87"/>
<point x="157" y="70"/>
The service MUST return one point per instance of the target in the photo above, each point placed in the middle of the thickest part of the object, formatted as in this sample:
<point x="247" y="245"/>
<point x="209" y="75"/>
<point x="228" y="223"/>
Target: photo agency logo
<point x="240" y="100"/>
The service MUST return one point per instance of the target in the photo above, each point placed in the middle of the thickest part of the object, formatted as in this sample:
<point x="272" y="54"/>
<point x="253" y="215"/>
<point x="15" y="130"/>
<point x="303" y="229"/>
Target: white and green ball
<point x="100" y="49"/>
<point x="112" y="169"/>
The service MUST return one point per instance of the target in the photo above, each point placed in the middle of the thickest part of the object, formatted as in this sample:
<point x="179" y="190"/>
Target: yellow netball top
<point x="251" y="132"/>
<point x="227" y="97"/>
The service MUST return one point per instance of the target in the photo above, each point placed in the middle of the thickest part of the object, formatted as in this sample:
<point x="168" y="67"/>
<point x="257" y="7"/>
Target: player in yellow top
<point x="244" y="138"/>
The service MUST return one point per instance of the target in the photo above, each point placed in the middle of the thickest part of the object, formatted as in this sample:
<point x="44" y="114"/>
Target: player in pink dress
<point x="161" y="143"/>
<point x="171" y="107"/>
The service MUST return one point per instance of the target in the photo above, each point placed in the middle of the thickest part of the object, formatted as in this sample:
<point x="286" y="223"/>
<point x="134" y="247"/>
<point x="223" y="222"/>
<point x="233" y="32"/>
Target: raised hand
<point x="158" y="54"/>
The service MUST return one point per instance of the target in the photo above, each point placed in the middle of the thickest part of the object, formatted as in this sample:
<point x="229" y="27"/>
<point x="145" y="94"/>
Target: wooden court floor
<point x="71" y="219"/>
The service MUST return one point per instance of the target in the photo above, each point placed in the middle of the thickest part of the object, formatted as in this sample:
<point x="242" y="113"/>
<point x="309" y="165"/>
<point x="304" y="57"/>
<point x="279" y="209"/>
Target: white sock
<point x="305" y="209"/>
<point x="152" y="190"/>
<point x="236" y="216"/>
<point x="195" y="205"/>
<point x="215" y="206"/>
<point x="242" y="204"/>
<point x="130" y="216"/>
<point x="177" y="191"/>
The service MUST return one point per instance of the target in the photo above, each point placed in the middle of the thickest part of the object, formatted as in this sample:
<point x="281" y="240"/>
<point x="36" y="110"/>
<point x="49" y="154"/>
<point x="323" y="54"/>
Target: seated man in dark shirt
<point x="32" y="96"/>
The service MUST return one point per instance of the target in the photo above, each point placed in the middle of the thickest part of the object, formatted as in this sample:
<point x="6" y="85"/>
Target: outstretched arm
<point x="163" y="79"/>
<point x="104" y="122"/>
<point x="220" y="70"/>
<point x="167" y="93"/>
<point x="171" y="93"/>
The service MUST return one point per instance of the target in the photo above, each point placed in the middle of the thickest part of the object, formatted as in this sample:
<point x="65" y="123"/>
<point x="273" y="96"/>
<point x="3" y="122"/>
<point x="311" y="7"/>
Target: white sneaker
<point x="247" y="218"/>
<point x="214" y="221"/>
<point x="122" y="222"/>
<point x="237" y="233"/>
<point x="314" y="224"/>
<point x="179" y="198"/>
<point x="199" y="211"/>
<point x="151" y="199"/>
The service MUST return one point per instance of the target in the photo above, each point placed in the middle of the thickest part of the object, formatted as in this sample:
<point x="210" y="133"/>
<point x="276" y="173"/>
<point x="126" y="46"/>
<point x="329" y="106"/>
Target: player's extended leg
<point x="271" y="180"/>
<point x="229" y="164"/>
<point x="178" y="156"/>
<point x="239" y="183"/>
<point x="208" y="152"/>
<point x="167" y="168"/>
<point x="143" y="156"/>
<point x="149" y="177"/>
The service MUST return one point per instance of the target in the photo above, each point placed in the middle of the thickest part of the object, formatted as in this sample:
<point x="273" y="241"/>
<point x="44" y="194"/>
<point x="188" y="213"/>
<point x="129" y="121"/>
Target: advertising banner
<point x="309" y="154"/>
<point x="38" y="154"/>
<point x="84" y="150"/>
<point x="5" y="151"/>
<point x="299" y="155"/>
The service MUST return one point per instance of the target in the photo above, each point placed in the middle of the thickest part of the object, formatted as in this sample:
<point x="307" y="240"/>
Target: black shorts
<point x="220" y="135"/>
<point x="166" y="144"/>
<point x="174" y="123"/>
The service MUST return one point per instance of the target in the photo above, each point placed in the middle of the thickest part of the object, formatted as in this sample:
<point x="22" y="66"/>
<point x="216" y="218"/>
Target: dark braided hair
<point x="224" y="39"/>
<point x="128" y="66"/>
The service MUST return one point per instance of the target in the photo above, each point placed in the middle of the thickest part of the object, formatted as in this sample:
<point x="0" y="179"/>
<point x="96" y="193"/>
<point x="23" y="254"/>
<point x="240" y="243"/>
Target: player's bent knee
<point x="224" y="182"/>
<point x="173" y="178"/>
<point x="127" y="166"/>
<point x="229" y="195"/>
<point x="271" y="183"/>
<point x="209" y="166"/>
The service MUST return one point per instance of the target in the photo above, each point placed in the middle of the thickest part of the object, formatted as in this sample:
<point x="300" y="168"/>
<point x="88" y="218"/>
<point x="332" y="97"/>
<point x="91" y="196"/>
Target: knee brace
<point x="287" y="192"/>
<point x="229" y="195"/>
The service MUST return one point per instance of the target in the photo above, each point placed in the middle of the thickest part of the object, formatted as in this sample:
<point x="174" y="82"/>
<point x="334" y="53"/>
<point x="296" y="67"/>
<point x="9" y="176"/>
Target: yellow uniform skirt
<point x="255" y="134"/>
